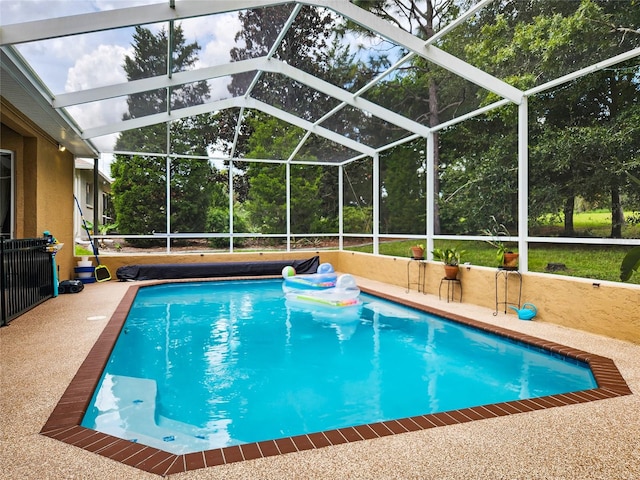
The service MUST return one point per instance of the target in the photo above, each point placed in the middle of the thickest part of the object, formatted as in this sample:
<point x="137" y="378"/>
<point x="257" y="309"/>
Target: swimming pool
<point x="226" y="357"/>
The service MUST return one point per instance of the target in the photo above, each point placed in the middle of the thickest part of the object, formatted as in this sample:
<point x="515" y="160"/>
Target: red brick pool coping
<point x="64" y="422"/>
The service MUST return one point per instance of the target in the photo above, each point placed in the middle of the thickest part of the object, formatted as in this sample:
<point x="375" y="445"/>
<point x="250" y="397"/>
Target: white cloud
<point x="106" y="112"/>
<point x="106" y="143"/>
<point x="103" y="66"/>
<point x="218" y="88"/>
<point x="50" y="59"/>
<point x="215" y="34"/>
<point x="95" y="59"/>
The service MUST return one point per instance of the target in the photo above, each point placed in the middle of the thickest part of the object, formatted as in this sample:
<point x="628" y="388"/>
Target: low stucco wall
<point x="605" y="308"/>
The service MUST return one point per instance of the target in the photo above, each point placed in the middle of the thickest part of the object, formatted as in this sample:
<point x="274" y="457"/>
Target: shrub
<point x="218" y="222"/>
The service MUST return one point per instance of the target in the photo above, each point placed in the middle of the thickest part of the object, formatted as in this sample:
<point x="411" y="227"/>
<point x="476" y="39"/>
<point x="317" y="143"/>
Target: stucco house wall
<point x="43" y="182"/>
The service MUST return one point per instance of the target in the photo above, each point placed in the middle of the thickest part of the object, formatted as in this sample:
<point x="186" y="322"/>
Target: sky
<point x="96" y="59"/>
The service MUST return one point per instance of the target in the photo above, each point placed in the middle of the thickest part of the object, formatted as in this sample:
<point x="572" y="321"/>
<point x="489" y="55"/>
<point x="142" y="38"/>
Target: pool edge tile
<point x="213" y="458"/>
<point x="251" y="451"/>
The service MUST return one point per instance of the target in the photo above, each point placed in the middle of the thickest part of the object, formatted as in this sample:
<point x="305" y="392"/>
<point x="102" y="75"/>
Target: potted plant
<point x="417" y="252"/>
<point x="505" y="256"/>
<point x="451" y="258"/>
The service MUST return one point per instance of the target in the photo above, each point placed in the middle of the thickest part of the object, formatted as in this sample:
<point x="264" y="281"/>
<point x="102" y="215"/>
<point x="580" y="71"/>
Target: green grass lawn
<point x="587" y="261"/>
<point x="80" y="251"/>
<point x="598" y="262"/>
<point x="595" y="223"/>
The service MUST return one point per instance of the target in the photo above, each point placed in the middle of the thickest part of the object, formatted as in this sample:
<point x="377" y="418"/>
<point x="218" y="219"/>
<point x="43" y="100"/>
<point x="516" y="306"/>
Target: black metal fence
<point x="26" y="276"/>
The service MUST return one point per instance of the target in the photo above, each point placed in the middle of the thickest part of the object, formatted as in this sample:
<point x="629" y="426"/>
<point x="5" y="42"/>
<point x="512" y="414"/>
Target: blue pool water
<point x="212" y="364"/>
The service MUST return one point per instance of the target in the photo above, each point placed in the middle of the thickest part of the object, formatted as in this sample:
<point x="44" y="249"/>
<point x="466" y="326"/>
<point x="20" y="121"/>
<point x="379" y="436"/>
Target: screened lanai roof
<point x="62" y="65"/>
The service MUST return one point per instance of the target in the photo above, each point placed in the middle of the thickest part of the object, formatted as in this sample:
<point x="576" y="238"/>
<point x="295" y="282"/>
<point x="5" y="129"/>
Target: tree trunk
<point x="569" y="205"/>
<point x="617" y="215"/>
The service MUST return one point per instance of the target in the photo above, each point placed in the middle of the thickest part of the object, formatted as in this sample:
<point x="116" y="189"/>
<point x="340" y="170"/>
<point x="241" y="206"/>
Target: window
<point x="106" y="209"/>
<point x="88" y="199"/>
<point x="6" y="194"/>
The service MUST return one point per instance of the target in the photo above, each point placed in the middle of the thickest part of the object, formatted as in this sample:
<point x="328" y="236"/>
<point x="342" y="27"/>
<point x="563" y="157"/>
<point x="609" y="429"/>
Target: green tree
<point x="139" y="187"/>
<point x="218" y="215"/>
<point x="266" y="206"/>
<point x="424" y="94"/>
<point x="573" y="149"/>
<point x="305" y="46"/>
<point x="403" y="206"/>
<point x="138" y="196"/>
<point x="478" y="172"/>
<point x="309" y="45"/>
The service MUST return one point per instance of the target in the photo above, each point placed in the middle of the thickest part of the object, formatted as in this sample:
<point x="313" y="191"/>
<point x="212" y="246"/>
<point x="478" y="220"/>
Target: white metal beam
<point x="231" y="204"/>
<point x="346" y="97"/>
<point x="236" y="132"/>
<point x="270" y="54"/>
<point x="375" y="179"/>
<point x="285" y="29"/>
<point x="439" y="34"/>
<point x="298" y="147"/>
<point x="160" y="118"/>
<point x="262" y="64"/>
<point x="122" y="17"/>
<point x="388" y="71"/>
<point x="340" y="207"/>
<point x="237" y="102"/>
<point x="523" y="185"/>
<point x="623" y="57"/>
<point x="431" y="194"/>
<point x="414" y="44"/>
<point x="352" y="159"/>
<point x="475" y="113"/>
<point x="274" y="48"/>
<point x="155" y="83"/>
<point x="287" y="169"/>
<point x="305" y="125"/>
<point x="398" y="142"/>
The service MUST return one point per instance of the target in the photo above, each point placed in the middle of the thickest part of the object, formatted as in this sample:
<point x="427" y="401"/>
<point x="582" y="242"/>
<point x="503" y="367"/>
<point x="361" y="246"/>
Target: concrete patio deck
<point x="41" y="351"/>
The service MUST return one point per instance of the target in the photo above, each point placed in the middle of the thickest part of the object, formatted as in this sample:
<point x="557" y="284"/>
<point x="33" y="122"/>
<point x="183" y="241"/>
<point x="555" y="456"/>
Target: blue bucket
<point x="82" y="273"/>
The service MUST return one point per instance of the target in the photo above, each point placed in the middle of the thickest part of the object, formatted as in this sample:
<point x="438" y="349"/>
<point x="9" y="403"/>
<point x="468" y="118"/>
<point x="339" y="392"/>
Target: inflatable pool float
<point x="329" y="299"/>
<point x="345" y="293"/>
<point x="339" y="308"/>
<point x="324" y="278"/>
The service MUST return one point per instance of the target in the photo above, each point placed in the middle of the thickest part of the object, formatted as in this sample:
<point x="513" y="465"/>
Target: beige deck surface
<point x="41" y="351"/>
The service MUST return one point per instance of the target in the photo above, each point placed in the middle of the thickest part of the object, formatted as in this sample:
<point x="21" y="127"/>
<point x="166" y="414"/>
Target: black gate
<point x="26" y="276"/>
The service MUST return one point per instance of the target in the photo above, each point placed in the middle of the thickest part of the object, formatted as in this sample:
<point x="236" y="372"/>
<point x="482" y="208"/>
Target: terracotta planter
<point x="510" y="260"/>
<point x="451" y="271"/>
<point x="417" y="252"/>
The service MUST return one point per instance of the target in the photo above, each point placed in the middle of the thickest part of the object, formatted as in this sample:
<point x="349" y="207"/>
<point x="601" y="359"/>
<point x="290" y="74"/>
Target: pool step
<point x="128" y="411"/>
